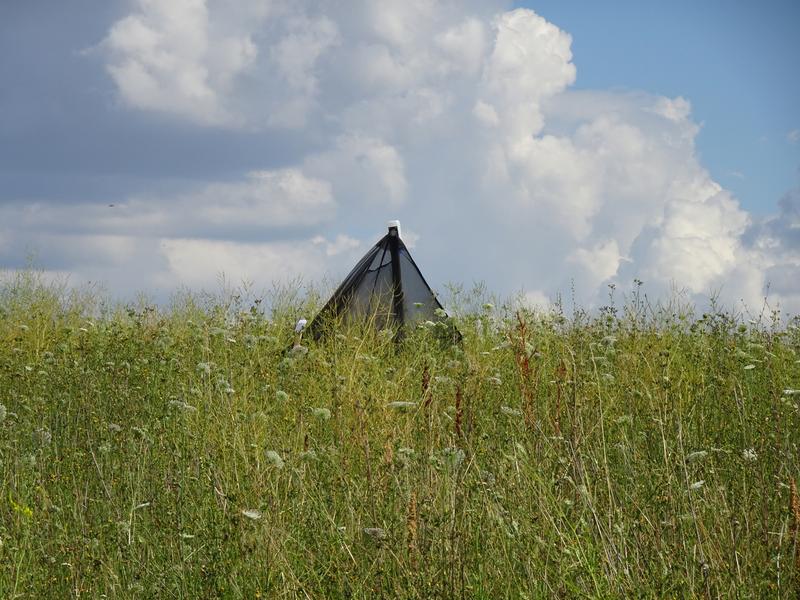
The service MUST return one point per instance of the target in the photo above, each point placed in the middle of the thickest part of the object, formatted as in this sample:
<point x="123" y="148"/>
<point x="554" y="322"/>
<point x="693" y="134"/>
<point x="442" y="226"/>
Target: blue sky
<point x="149" y="145"/>
<point x="736" y="62"/>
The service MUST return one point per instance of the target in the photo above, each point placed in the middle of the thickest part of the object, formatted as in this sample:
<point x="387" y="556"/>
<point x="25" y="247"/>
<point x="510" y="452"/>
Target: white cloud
<point x="200" y="263"/>
<point x="793" y="136"/>
<point x="360" y="166"/>
<point x="263" y="202"/>
<point x="168" y="56"/>
<point x="185" y="239"/>
<point x="458" y="118"/>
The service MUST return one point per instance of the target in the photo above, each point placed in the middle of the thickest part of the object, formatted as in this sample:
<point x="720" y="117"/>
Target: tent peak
<point x="395" y="224"/>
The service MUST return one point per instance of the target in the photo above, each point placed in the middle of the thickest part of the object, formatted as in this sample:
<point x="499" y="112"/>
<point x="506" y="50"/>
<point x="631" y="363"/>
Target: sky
<point x="539" y="147"/>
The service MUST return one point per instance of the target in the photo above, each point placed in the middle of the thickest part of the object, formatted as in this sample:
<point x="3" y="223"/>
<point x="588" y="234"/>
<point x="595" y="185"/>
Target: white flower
<point x="252" y="513"/>
<point x="749" y="367"/>
<point x="182" y="405"/>
<point x="321" y="413"/>
<point x="695" y="456"/>
<point x="697" y="485"/>
<point x="494" y="380"/>
<point x="281" y="396"/>
<point x="298" y="350"/>
<point x="310" y="454"/>
<point x="749" y="455"/>
<point x="514" y="412"/>
<point x="453" y="456"/>
<point x="440" y="312"/>
<point x="376" y="533"/>
<point x="43" y="436"/>
<point x="790" y="392"/>
<point x="204" y="367"/>
<point x="399" y="405"/>
<point x="274" y="458"/>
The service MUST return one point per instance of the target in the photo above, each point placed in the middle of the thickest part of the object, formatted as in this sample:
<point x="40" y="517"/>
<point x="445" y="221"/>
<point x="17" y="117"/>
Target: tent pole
<point x="397" y="291"/>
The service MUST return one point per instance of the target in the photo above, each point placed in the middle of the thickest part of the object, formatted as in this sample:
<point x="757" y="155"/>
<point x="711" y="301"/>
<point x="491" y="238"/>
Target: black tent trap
<point x="385" y="286"/>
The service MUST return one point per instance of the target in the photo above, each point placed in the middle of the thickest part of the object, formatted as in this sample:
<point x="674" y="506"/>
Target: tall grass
<point x="182" y="452"/>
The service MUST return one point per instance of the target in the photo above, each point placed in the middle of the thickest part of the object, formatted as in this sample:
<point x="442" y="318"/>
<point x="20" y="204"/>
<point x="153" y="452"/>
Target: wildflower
<point x="697" y="485"/>
<point x="376" y="533"/>
<point x="401" y="405"/>
<point x="790" y="392"/>
<point x="695" y="456"/>
<point x="252" y="513"/>
<point x="298" y="350"/>
<point x="281" y="396"/>
<point x="204" y="367"/>
<point x="143" y="433"/>
<point x="495" y="380"/>
<point x="114" y="428"/>
<point x="43" y="436"/>
<point x="182" y="405"/>
<point x="308" y="455"/>
<point x="321" y="413"/>
<point x="749" y="367"/>
<point x="25" y="511"/>
<point x="275" y="459"/>
<point x="749" y="455"/>
<point x="440" y="312"/>
<point x="453" y="456"/>
<point x="514" y="412"/>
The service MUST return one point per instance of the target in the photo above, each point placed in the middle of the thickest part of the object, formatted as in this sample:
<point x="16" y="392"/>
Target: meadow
<point x="180" y="451"/>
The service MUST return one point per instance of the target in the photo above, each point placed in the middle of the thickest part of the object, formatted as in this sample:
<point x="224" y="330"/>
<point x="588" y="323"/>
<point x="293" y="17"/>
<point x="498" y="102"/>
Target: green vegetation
<point x="182" y="453"/>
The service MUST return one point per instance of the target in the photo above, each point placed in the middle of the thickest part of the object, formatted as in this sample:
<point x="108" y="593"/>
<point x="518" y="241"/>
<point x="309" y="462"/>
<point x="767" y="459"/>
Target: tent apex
<point x="394" y="224"/>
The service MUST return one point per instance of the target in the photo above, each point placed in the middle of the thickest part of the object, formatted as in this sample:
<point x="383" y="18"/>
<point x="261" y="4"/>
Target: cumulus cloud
<point x="459" y="118"/>
<point x="169" y="56"/>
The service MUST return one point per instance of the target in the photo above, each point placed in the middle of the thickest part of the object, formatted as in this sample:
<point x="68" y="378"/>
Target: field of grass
<point x="181" y="453"/>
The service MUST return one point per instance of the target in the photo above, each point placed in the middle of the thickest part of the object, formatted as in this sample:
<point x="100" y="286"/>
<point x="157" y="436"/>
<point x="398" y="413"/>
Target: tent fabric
<point x="385" y="285"/>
